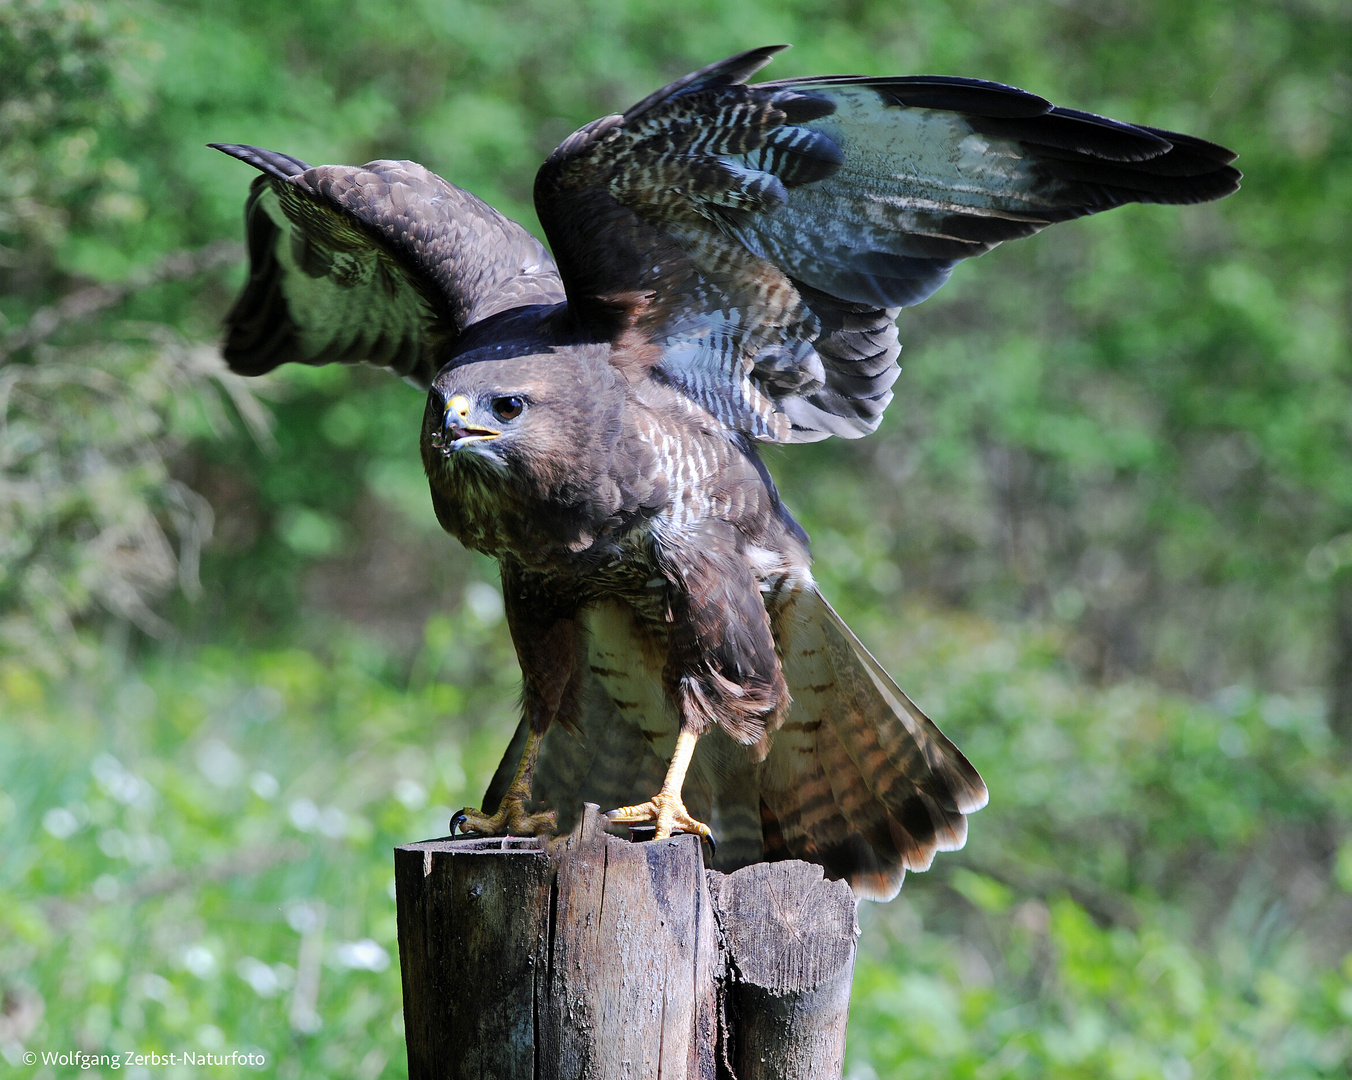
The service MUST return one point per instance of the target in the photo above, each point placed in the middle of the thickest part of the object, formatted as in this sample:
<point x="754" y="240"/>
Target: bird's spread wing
<point x="380" y="263"/>
<point x="760" y="240"/>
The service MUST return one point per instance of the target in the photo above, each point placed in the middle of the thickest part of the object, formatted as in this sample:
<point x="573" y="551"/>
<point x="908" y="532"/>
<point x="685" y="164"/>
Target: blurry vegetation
<point x="1104" y="536"/>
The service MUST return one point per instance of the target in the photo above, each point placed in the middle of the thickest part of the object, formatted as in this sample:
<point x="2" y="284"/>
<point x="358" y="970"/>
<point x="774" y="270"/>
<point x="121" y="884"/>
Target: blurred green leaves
<point x="89" y="512"/>
<point x="172" y="844"/>
<point x="1095" y="937"/>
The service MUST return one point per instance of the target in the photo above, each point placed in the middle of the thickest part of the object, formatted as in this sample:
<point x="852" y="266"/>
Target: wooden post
<point x="789" y="937"/>
<point x="594" y="958"/>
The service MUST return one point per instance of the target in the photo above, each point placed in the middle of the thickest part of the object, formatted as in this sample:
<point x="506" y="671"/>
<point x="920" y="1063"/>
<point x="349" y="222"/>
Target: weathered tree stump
<point x="789" y="938"/>
<point x="594" y="958"/>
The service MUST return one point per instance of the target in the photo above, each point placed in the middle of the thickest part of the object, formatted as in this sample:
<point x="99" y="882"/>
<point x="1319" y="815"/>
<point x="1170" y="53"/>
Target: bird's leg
<point x="666" y="808"/>
<point x="512" y="817"/>
<point x="722" y="668"/>
<point x="552" y="649"/>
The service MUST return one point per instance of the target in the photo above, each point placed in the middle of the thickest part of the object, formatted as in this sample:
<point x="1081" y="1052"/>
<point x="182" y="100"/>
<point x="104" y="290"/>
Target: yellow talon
<point x="666" y="808"/>
<point x="512" y="818"/>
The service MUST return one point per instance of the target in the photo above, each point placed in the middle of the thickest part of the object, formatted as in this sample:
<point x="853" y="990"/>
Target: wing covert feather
<point x="383" y="263"/>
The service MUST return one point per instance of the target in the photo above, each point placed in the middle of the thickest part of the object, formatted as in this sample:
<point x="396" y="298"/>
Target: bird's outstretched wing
<point x="382" y="263"/>
<point x="754" y="244"/>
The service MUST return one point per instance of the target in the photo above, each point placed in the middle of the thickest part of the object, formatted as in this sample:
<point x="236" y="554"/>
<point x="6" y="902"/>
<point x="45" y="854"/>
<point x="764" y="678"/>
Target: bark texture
<point x="594" y="958"/>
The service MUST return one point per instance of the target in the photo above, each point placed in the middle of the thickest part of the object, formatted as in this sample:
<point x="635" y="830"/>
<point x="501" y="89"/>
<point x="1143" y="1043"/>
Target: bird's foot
<point x="512" y="819"/>
<point x="667" y="811"/>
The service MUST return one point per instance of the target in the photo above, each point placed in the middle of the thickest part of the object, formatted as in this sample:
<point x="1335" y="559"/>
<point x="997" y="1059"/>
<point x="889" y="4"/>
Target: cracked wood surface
<point x="591" y="957"/>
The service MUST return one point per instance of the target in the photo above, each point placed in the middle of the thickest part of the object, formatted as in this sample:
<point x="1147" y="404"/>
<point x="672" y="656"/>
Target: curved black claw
<point x="641" y="833"/>
<point x="457" y="819"/>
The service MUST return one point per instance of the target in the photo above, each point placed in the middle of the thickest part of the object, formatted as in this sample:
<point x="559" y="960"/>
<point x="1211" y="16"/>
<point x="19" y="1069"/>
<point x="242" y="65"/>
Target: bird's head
<point x="544" y="422"/>
<point x="460" y="422"/>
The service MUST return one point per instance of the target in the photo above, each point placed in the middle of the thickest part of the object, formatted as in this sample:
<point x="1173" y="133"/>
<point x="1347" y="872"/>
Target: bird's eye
<point x="508" y="408"/>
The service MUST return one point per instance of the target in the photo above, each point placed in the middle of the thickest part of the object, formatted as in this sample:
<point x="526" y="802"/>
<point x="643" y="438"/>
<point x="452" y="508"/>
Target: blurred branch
<point x="81" y="304"/>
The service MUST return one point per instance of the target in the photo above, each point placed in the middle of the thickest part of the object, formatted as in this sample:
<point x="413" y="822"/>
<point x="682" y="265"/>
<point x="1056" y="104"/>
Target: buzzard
<point x="728" y="264"/>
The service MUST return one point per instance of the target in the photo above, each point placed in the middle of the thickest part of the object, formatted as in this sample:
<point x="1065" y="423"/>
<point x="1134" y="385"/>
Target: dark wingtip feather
<point x="1117" y="162"/>
<point x="730" y="72"/>
<point x="1073" y="132"/>
<point x="272" y="162"/>
<point x="734" y="70"/>
<point x="1221" y="155"/>
<point x="955" y="94"/>
<point x="1104" y="184"/>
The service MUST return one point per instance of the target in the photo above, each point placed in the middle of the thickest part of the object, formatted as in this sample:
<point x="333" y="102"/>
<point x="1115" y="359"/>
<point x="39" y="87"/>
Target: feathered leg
<point x="721" y="668"/>
<point x="551" y="647"/>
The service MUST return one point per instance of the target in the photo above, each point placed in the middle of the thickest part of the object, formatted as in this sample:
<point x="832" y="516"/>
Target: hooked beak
<point x="456" y="428"/>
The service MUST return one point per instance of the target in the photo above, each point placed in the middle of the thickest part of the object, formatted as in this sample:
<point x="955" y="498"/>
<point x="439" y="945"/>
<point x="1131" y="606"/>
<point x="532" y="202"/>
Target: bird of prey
<point x="728" y="264"/>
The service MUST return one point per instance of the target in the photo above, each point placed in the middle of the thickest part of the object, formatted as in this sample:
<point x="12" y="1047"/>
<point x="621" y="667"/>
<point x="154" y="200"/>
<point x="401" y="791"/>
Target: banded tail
<point x="858" y="779"/>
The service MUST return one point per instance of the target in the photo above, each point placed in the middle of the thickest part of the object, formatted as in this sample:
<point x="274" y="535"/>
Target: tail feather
<point x="857" y="779"/>
<point x="958" y="778"/>
<point x="858" y="770"/>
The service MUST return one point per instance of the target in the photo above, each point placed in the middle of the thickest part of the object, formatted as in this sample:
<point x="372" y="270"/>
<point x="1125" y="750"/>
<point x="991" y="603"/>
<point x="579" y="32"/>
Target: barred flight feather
<point x="868" y="191"/>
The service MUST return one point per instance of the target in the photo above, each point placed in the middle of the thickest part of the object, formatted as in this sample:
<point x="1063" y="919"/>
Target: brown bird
<point x="729" y="262"/>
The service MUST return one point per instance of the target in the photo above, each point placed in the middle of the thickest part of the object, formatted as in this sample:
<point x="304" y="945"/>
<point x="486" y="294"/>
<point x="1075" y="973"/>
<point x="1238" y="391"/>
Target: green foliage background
<point x="1104" y="536"/>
